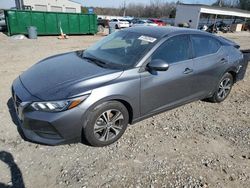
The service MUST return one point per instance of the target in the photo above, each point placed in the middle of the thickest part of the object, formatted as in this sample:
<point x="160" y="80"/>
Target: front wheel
<point x="106" y="124"/>
<point x="223" y="88"/>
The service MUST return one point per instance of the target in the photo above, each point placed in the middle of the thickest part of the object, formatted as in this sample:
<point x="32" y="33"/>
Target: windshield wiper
<point x="105" y="64"/>
<point x="96" y="61"/>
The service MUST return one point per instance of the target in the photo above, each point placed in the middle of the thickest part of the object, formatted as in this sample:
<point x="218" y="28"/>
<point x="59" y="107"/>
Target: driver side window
<point x="173" y="50"/>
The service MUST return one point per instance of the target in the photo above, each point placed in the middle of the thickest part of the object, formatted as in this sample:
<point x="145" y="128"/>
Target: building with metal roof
<point x="190" y="13"/>
<point x="49" y="5"/>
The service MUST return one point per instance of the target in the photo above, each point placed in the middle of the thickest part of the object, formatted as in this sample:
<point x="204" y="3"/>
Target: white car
<point x="144" y="23"/>
<point x="118" y="23"/>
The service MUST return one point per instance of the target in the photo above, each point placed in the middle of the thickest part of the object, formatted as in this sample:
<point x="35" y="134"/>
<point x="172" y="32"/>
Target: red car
<point x="158" y="21"/>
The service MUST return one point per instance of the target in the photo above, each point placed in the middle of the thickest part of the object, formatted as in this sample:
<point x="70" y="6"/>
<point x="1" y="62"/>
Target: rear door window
<point x="204" y="45"/>
<point x="173" y="50"/>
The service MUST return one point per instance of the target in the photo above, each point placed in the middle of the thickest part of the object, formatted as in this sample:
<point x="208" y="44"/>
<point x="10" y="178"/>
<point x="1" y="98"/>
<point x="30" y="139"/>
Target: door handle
<point x="223" y="60"/>
<point x="188" y="71"/>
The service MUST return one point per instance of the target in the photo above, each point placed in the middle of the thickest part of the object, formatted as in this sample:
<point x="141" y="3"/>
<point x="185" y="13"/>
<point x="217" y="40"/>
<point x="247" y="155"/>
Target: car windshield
<point x="122" y="49"/>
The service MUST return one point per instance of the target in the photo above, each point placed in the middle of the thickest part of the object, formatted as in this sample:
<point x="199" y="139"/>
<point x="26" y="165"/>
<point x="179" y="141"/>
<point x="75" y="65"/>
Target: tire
<point x="101" y="130"/>
<point x="116" y="26"/>
<point x="223" y="88"/>
<point x="100" y="29"/>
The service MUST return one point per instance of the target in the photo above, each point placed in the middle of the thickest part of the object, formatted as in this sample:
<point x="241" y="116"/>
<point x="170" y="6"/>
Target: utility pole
<point x="220" y="3"/>
<point x="124" y="8"/>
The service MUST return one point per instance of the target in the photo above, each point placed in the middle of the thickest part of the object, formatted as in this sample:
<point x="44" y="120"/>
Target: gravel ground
<point x="197" y="145"/>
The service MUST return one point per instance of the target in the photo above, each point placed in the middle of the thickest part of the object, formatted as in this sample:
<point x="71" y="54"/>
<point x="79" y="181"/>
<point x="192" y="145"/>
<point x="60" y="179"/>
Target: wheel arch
<point x="124" y="100"/>
<point x="129" y="108"/>
<point x="233" y="72"/>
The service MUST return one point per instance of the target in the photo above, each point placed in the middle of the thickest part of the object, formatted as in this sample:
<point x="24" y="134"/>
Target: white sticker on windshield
<point x="146" y="38"/>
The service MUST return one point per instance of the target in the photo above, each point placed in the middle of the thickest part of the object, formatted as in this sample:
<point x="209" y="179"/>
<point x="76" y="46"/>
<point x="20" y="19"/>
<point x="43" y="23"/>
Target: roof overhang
<point x="218" y="10"/>
<point x="224" y="12"/>
<point x="72" y="1"/>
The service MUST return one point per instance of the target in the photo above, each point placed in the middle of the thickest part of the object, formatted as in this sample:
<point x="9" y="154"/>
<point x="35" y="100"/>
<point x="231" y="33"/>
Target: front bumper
<point x="44" y="127"/>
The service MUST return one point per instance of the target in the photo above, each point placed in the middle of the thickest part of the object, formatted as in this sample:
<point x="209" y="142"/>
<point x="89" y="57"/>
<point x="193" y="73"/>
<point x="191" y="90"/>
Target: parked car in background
<point x="129" y="21"/>
<point x="218" y="26"/>
<point x="118" y="23"/>
<point x="144" y="23"/>
<point x="126" y="77"/>
<point x="2" y="22"/>
<point x="158" y="21"/>
<point x="101" y="24"/>
<point x="134" y="20"/>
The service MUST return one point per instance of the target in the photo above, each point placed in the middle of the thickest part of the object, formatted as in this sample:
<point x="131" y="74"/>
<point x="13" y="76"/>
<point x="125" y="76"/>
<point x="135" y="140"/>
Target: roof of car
<point x="160" y="32"/>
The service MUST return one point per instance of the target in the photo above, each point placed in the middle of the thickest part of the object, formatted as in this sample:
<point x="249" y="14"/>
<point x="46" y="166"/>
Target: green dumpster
<point x="49" y="23"/>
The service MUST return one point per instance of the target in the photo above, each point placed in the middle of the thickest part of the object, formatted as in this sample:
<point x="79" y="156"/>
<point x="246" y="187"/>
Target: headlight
<point x="57" y="106"/>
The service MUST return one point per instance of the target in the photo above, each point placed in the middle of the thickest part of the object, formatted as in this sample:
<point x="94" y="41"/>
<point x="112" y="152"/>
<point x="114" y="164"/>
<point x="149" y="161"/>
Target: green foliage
<point x="84" y="10"/>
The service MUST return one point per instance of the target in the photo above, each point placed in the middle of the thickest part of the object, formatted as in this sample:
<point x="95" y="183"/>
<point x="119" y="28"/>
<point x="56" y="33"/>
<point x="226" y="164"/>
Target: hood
<point x="64" y="76"/>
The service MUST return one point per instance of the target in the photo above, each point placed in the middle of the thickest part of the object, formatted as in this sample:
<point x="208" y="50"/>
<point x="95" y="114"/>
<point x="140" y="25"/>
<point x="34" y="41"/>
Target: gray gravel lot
<point x="197" y="145"/>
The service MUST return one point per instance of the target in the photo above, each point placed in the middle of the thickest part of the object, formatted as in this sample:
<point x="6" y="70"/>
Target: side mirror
<point x="158" y="65"/>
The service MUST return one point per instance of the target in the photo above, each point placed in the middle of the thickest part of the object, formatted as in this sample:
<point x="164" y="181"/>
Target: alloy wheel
<point x="108" y="125"/>
<point x="224" y="88"/>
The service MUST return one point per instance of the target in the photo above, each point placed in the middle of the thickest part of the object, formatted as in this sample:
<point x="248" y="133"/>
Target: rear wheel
<point x="106" y="124"/>
<point x="223" y="88"/>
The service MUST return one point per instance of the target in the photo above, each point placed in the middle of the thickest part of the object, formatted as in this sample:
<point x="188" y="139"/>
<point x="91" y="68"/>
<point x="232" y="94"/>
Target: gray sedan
<point x="128" y="76"/>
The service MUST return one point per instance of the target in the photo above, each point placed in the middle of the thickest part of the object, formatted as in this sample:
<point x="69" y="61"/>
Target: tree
<point x="244" y="4"/>
<point x="226" y="3"/>
<point x="155" y="9"/>
<point x="84" y="10"/>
